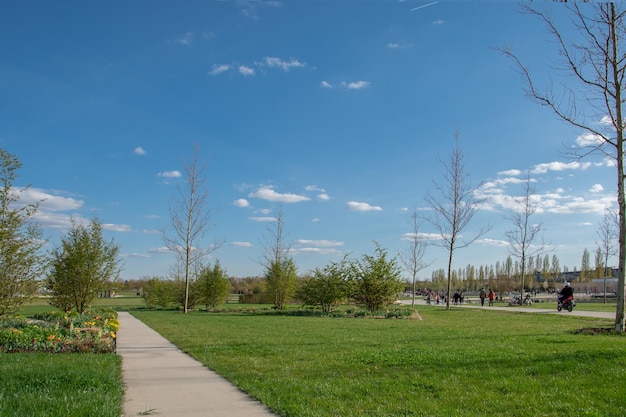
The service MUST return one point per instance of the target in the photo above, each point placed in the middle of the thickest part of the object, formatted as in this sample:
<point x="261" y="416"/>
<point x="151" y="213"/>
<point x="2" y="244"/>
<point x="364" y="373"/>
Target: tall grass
<point x="462" y="362"/>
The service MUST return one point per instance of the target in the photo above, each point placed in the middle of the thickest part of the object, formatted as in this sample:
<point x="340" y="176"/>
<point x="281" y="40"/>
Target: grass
<point x="60" y="385"/>
<point x="463" y="362"/>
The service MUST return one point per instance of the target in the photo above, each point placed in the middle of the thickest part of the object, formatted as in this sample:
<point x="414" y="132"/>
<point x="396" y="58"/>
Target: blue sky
<point x="338" y="112"/>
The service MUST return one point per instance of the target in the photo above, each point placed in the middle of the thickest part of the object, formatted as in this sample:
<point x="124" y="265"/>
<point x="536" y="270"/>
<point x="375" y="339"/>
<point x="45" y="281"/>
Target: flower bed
<point x="58" y="332"/>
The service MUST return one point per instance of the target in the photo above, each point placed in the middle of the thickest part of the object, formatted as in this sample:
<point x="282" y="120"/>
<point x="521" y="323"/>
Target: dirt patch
<point x="598" y="330"/>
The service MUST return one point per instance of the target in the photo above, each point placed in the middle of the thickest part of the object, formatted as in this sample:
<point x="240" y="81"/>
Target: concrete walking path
<point x="162" y="380"/>
<point x="552" y="310"/>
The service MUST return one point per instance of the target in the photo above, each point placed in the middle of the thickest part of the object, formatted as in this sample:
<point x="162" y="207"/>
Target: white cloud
<point x="242" y="202"/>
<point x="510" y="172"/>
<point x="268" y="193"/>
<point x="438" y="22"/>
<point x="323" y="243"/>
<point x="170" y="174"/>
<point x="263" y="219"/>
<point x="316" y="251"/>
<point x="493" y="242"/>
<point x="116" y="227"/>
<point x="273" y="62"/>
<point x="139" y="151"/>
<point x="596" y="188"/>
<point x="423" y="236"/>
<point x="242" y="244"/>
<point x="581" y="205"/>
<point x="323" y="197"/>
<point x="218" y="69"/>
<point x="356" y="206"/>
<point x="326" y="84"/>
<point x="355" y="85"/>
<point x="559" y="166"/>
<point x="314" y="188"/>
<point x="244" y="70"/>
<point x="589" y="139"/>
<point x="396" y="45"/>
<point x="47" y="201"/>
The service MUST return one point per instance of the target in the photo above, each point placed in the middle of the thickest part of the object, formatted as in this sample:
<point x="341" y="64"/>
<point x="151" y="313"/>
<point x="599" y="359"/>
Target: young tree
<point x="375" y="281"/>
<point x="281" y="278"/>
<point x="598" y="270"/>
<point x="281" y="274"/>
<point x="81" y="266"/>
<point x="190" y="218"/>
<point x="213" y="285"/>
<point x="592" y="97"/>
<point x="20" y="240"/>
<point x="585" y="266"/>
<point x="413" y="257"/>
<point x="454" y="205"/>
<point x="326" y="287"/>
<point x="607" y="234"/>
<point x="524" y="236"/>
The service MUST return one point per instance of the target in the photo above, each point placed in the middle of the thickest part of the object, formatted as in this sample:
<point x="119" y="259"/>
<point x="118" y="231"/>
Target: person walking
<point x="482" y="295"/>
<point x="491" y="296"/>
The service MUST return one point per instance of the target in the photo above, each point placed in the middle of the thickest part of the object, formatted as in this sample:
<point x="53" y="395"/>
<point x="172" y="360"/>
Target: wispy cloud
<point x="265" y="219"/>
<point x="424" y="6"/>
<point x="218" y="69"/>
<point x="264" y="64"/>
<point x="273" y="62"/>
<point x="323" y="243"/>
<point x="250" y="8"/>
<point x="355" y="85"/>
<point x="116" y="227"/>
<point x="170" y="174"/>
<point x="326" y="84"/>
<point x="241" y="244"/>
<point x="357" y="206"/>
<point x="246" y="71"/>
<point x="139" y="151"/>
<point x="186" y="39"/>
<point x="396" y="45"/>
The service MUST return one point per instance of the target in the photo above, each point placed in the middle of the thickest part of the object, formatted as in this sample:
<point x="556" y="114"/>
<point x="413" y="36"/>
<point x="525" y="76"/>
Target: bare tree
<point x="524" y="237"/>
<point x="454" y="206"/>
<point x="595" y="64"/>
<point x="190" y="218"/>
<point x="413" y="257"/>
<point x="607" y="233"/>
<point x="275" y="245"/>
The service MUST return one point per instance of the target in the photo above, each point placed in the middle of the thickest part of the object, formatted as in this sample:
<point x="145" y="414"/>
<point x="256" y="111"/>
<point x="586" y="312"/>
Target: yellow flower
<point x="113" y="335"/>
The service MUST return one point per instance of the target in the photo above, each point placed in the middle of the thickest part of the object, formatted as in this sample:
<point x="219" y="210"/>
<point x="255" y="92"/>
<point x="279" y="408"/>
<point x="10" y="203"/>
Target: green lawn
<point x="60" y="385"/>
<point x="464" y="362"/>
